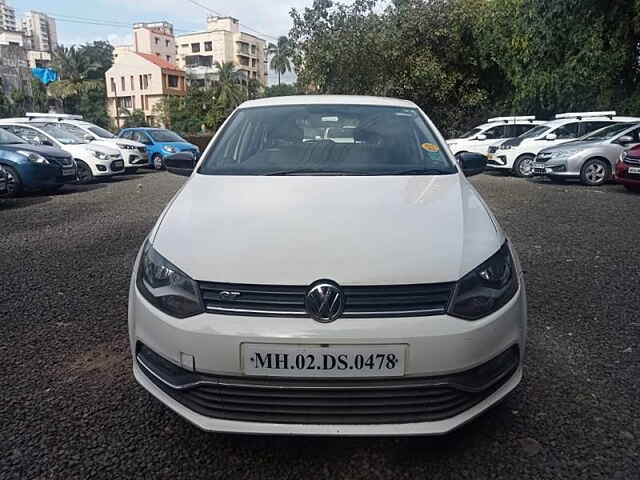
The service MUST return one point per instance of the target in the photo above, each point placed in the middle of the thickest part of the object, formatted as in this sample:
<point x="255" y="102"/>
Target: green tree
<point x="227" y="90"/>
<point x="134" y="118"/>
<point x="280" y="56"/>
<point x="282" y="90"/>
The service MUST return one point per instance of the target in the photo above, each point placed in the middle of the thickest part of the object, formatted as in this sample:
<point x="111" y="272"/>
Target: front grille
<point x="329" y="401"/>
<point x="361" y="301"/>
<point x="493" y="149"/>
<point x="62" y="161"/>
<point x="632" y="160"/>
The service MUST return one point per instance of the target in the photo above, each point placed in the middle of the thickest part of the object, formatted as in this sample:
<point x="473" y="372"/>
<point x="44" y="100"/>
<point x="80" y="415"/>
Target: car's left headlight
<point x="562" y="154"/>
<point x="169" y="148"/>
<point x="125" y="146"/>
<point x="99" y="155"/>
<point x="486" y="288"/>
<point x="165" y="286"/>
<point x="34" y="157"/>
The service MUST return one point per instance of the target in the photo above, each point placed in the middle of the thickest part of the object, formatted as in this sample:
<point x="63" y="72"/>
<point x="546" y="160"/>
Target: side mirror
<point x="482" y="136"/>
<point x="625" y="140"/>
<point x="89" y="138"/>
<point x="472" y="163"/>
<point x="551" y="137"/>
<point x="181" y="163"/>
<point x="36" y="140"/>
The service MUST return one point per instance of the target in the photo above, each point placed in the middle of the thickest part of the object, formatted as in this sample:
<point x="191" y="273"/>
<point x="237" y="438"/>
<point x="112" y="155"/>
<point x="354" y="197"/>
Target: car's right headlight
<point x="562" y="154"/>
<point x="165" y="286"/>
<point x="486" y="288"/>
<point x="34" y="157"/>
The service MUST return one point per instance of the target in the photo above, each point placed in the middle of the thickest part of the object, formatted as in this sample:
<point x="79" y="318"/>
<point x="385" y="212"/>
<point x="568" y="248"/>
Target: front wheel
<point x="595" y="172"/>
<point x="523" y="166"/>
<point x="84" y="173"/>
<point x="157" y="161"/>
<point x="14" y="184"/>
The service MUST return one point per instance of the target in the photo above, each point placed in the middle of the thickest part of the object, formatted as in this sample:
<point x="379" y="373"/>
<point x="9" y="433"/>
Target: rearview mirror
<point x="551" y="137"/>
<point x="180" y="163"/>
<point x="471" y="163"/>
<point x="625" y="139"/>
<point x="482" y="136"/>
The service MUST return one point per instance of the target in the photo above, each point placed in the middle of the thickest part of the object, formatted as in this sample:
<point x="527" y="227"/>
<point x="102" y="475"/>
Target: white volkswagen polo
<point x="297" y="285"/>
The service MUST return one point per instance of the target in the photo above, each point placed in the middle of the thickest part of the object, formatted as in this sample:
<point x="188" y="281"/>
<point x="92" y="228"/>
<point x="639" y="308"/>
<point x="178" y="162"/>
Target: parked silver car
<point x="591" y="158"/>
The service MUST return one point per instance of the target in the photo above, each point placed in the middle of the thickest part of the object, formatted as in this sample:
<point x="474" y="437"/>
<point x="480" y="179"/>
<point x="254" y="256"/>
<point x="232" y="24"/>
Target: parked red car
<point x="627" y="171"/>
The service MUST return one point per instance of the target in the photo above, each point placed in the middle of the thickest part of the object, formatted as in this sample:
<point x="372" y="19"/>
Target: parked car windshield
<point x="293" y="140"/>
<point x="535" y="132"/>
<point x="165" y="136"/>
<point x="471" y="133"/>
<point x="609" y="132"/>
<point x="7" y="138"/>
<point x="60" y="133"/>
<point x="101" y="132"/>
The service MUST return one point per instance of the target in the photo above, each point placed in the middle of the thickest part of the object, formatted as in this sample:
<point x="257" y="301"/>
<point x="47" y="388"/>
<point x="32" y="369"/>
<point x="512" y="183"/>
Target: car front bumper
<point x="623" y="177"/>
<point x="499" y="161"/>
<point x="437" y="346"/>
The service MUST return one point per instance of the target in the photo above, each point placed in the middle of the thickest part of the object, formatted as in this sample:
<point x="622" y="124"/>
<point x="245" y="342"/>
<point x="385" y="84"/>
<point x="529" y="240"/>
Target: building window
<point x="169" y="58"/>
<point x="208" y="46"/>
<point x="157" y="40"/>
<point x="122" y="83"/>
<point x="253" y="49"/>
<point x="172" y="81"/>
<point x="253" y="63"/>
<point x="195" y="47"/>
<point x="133" y="87"/>
<point x="244" y="61"/>
<point x="147" y="80"/>
<point x="166" y="43"/>
<point x="184" y="45"/>
<point x="113" y="85"/>
<point x="140" y="81"/>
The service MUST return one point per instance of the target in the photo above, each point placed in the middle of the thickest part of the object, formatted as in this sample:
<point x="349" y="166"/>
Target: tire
<point x="14" y="184"/>
<point x="85" y="175"/>
<point x="633" y="188"/>
<point x="157" y="162"/>
<point x="523" y="167"/>
<point x="595" y="172"/>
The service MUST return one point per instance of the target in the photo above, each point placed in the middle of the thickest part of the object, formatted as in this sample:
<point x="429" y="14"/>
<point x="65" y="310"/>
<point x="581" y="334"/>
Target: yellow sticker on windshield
<point x="430" y="147"/>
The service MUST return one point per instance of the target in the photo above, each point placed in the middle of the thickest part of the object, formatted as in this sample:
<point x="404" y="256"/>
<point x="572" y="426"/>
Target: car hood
<point x="294" y="230"/>
<point x="41" y="149"/>
<point x="573" y="145"/>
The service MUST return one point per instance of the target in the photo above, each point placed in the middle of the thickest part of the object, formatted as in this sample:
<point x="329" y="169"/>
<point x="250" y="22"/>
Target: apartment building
<point x="40" y="30"/>
<point x="7" y="17"/>
<point x="138" y="81"/>
<point x="223" y="42"/>
<point x="154" y="38"/>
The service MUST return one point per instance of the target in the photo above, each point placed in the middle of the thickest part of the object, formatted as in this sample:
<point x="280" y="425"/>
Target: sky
<point x="73" y="17"/>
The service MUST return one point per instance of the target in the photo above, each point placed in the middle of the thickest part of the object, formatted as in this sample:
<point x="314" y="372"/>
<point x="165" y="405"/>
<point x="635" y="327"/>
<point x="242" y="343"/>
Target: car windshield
<point x="471" y="133"/>
<point x="101" y="132"/>
<point x="7" y="138"/>
<point x="609" y="132"/>
<point x="535" y="132"/>
<point x="165" y="136"/>
<point x="62" y="134"/>
<point x="297" y="140"/>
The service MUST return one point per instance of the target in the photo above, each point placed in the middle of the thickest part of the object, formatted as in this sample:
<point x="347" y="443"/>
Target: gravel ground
<point x="71" y="409"/>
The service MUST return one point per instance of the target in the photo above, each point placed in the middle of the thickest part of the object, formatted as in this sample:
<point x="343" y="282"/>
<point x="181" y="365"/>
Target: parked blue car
<point x="160" y="143"/>
<point x="33" y="167"/>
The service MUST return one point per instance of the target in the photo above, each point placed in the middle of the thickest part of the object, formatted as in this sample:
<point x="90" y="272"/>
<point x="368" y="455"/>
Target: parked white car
<point x="92" y="160"/>
<point x="316" y="287"/>
<point x="133" y="153"/>
<point x="498" y="129"/>
<point x="517" y="154"/>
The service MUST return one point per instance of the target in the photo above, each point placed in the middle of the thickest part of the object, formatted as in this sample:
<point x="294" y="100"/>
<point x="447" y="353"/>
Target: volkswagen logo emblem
<point x="324" y="302"/>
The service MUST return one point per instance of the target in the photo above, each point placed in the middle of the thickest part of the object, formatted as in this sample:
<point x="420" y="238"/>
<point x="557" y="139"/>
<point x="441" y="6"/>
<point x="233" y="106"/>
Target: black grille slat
<point x="360" y="301"/>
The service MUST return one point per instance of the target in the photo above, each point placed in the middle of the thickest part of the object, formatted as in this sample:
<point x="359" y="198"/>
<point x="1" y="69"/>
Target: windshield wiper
<point x="419" y="171"/>
<point x="310" y="172"/>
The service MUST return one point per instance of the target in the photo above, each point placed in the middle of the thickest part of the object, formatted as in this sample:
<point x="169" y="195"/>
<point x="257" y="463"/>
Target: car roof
<point x="564" y="121"/>
<point x="328" y="100"/>
<point x="533" y="123"/>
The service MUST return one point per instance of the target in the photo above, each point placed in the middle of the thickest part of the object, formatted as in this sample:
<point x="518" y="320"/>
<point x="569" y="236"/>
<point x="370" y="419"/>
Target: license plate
<point x="68" y="172"/>
<point x="635" y="170"/>
<point x="330" y="361"/>
<point x="539" y="166"/>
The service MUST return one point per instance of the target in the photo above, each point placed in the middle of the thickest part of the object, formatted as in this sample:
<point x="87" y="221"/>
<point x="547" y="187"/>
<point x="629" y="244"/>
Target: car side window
<point x="142" y="138"/>
<point x="588" y="127"/>
<point x="127" y="134"/>
<point x="635" y="134"/>
<point x="520" y="129"/>
<point x="569" y="130"/>
<point x="495" y="132"/>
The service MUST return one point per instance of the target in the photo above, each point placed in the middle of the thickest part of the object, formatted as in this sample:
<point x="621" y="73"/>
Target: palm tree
<point x="227" y="89"/>
<point x="280" y="55"/>
<point x="74" y="70"/>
